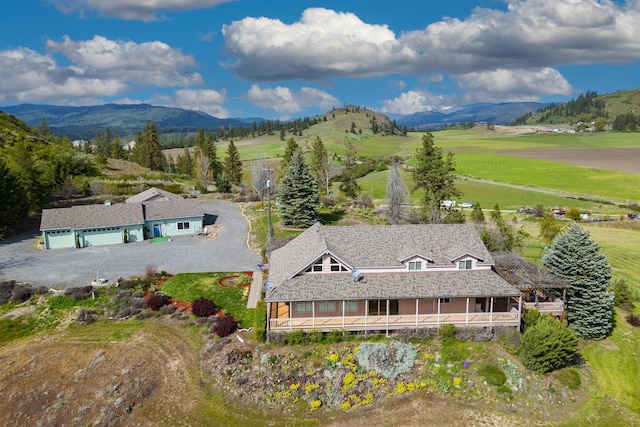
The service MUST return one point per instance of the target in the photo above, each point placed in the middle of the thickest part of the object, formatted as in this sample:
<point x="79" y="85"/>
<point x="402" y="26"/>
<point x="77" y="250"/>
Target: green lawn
<point x="191" y="286"/>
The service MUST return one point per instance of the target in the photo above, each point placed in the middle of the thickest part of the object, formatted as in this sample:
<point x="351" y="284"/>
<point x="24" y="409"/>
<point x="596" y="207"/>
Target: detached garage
<point x="95" y="225"/>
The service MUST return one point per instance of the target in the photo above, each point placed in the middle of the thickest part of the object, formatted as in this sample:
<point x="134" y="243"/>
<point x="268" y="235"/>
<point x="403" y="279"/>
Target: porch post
<point x="366" y="311"/>
<point x="313" y="314"/>
<point x="290" y="315"/>
<point x="268" y="312"/>
<point x="343" y="309"/>
<point x="466" y="316"/>
<point x="438" y="312"/>
<point x="387" y="317"/>
<point x="491" y="312"/>
<point x="519" y="309"/>
<point x="416" y="312"/>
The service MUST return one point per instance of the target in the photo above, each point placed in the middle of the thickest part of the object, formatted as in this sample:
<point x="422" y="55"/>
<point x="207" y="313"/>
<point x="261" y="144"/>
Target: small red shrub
<point x="633" y="319"/>
<point x="203" y="307"/>
<point x="225" y="326"/>
<point x="156" y="301"/>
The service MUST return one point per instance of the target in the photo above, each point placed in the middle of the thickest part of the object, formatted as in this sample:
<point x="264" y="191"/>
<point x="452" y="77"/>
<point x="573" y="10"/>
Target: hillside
<point x="82" y="122"/>
<point x="588" y="107"/>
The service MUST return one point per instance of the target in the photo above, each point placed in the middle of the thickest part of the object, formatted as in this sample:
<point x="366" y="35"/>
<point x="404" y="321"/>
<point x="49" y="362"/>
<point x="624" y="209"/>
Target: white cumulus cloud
<point x="287" y="102"/>
<point x="206" y="100"/>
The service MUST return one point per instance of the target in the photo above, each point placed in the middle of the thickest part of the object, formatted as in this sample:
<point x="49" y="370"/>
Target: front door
<point x="157" y="230"/>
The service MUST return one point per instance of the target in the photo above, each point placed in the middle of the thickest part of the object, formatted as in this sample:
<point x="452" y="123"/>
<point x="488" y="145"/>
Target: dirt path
<point x="537" y="189"/>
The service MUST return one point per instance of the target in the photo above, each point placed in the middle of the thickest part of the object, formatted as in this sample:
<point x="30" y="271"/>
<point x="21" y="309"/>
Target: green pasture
<point x="487" y="194"/>
<point x="576" y="180"/>
<point x="191" y="286"/>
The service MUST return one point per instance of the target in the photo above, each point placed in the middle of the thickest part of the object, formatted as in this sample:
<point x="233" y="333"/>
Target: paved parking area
<point x="63" y="268"/>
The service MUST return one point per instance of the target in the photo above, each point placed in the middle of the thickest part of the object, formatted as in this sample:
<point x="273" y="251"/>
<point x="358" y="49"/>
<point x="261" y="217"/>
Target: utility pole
<point x="270" y="234"/>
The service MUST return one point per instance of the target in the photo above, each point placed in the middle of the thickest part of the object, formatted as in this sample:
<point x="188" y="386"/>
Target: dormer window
<point x="336" y="266"/>
<point x="315" y="267"/>
<point x="466" y="264"/>
<point x="415" y="265"/>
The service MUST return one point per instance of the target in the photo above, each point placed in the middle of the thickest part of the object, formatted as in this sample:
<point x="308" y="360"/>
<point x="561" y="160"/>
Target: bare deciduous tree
<point x="396" y="194"/>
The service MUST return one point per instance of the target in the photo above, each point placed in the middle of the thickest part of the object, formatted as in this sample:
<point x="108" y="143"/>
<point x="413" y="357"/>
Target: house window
<point x="324" y="306"/>
<point x="336" y="266"/>
<point x="350" y="306"/>
<point x="304" y="307"/>
<point x="379" y="307"/>
<point x="315" y="267"/>
<point x="444" y="300"/>
<point x="465" y="265"/>
<point x="183" y="225"/>
<point x="415" y="265"/>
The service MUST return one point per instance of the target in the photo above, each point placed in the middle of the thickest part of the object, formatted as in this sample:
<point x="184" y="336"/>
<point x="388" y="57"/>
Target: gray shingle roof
<point x="120" y="214"/>
<point x="90" y="216"/>
<point x="153" y="194"/>
<point x="337" y="286"/>
<point x="169" y="209"/>
<point x="377" y="246"/>
<point x="362" y="247"/>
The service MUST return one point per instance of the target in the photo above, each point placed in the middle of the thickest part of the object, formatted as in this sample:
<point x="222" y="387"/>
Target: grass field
<point x="190" y="286"/>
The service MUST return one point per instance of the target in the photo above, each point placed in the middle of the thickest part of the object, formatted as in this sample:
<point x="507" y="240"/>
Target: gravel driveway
<point x="63" y="268"/>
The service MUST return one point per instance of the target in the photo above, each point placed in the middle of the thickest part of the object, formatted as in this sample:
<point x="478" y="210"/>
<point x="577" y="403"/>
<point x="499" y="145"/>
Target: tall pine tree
<point x="148" y="150"/>
<point x="233" y="165"/>
<point x="434" y="175"/>
<point x="576" y="258"/>
<point x="298" y="196"/>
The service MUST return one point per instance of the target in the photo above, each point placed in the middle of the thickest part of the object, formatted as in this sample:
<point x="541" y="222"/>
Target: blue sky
<point x="284" y="59"/>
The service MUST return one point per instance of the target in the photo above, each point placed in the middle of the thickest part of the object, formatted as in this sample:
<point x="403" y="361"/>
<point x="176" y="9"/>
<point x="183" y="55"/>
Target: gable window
<point x="183" y="225"/>
<point x="324" y="306"/>
<point x="315" y="267"/>
<point x="336" y="266"/>
<point x="415" y="265"/>
<point x="304" y="307"/>
<point x="465" y="265"/>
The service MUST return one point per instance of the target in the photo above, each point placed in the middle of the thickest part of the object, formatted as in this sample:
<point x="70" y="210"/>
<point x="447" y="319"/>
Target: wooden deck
<point x="555" y="308"/>
<point x="363" y="323"/>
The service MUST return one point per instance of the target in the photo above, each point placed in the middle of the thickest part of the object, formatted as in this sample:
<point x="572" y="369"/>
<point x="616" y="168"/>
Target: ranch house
<point x="382" y="278"/>
<point x="94" y="225"/>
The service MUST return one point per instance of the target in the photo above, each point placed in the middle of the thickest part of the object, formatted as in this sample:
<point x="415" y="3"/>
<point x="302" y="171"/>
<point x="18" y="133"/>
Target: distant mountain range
<point x="497" y="114"/>
<point x="128" y="119"/>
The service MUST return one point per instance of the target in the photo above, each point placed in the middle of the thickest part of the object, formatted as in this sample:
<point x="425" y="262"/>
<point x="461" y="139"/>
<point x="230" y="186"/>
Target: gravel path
<point x="63" y="268"/>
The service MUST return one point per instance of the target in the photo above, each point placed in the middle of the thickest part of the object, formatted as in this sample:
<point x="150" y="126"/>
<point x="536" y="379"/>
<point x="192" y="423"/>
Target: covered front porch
<point x="366" y="315"/>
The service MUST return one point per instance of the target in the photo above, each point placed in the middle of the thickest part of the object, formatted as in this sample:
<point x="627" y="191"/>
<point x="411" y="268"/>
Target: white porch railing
<point x="356" y="323"/>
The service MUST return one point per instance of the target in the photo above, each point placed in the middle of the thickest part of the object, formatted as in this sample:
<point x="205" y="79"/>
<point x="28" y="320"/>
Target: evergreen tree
<point x="148" y="150"/>
<point x="289" y="150"/>
<point x="13" y="198"/>
<point x="477" y="215"/>
<point x="396" y="193"/>
<point x="547" y="345"/>
<point x="233" y="165"/>
<point x="318" y="163"/>
<point x="576" y="258"/>
<point x="298" y="195"/>
<point x="349" y="185"/>
<point x="434" y="175"/>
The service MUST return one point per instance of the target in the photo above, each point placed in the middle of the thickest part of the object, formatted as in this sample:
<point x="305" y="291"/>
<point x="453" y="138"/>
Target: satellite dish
<point x="355" y="273"/>
<point x="268" y="285"/>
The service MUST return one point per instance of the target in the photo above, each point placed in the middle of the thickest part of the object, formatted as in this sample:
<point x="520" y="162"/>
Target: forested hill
<point x="33" y="164"/>
<point x="620" y="111"/>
